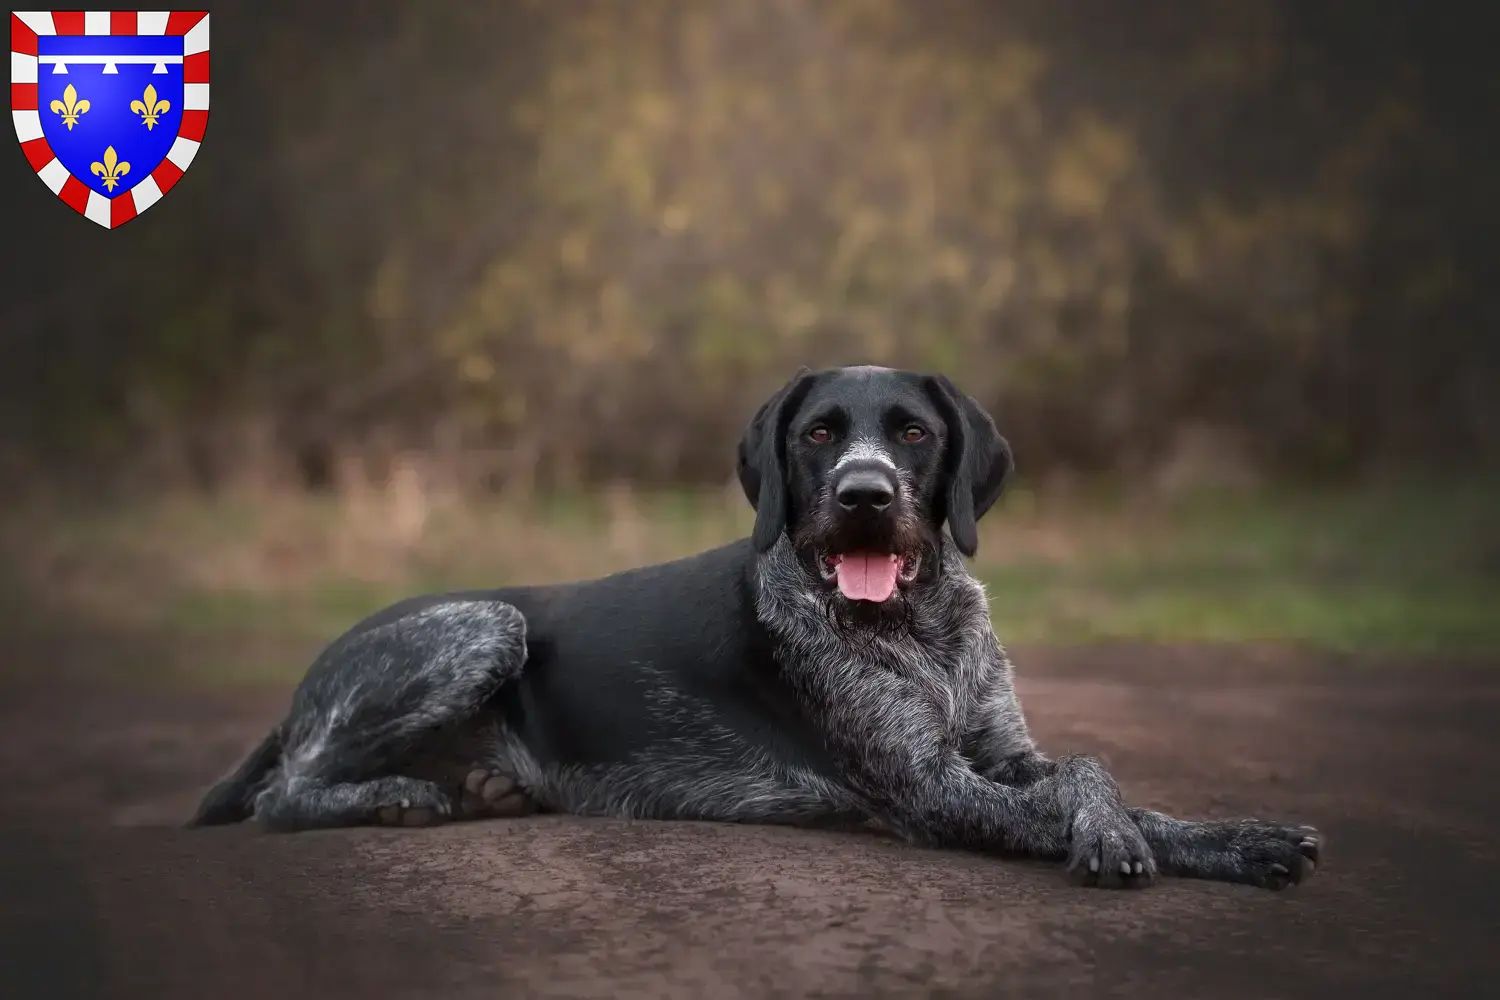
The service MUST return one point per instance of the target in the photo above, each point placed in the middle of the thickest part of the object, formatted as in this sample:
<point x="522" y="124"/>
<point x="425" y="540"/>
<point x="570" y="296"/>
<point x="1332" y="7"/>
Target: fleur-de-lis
<point x="70" y="107"/>
<point x="150" y="109"/>
<point x="111" y="170"/>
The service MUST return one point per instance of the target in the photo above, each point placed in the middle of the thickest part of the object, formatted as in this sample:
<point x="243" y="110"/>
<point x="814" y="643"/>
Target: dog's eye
<point x="913" y="434"/>
<point x="820" y="435"/>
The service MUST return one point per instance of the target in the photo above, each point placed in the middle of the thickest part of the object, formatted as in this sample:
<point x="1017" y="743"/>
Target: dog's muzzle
<point x="863" y="552"/>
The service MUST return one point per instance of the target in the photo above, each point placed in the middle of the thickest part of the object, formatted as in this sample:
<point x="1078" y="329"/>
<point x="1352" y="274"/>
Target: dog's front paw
<point x="1272" y="855"/>
<point x="1107" y="849"/>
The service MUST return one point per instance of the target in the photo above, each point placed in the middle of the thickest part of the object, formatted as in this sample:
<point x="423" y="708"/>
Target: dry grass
<point x="1398" y="569"/>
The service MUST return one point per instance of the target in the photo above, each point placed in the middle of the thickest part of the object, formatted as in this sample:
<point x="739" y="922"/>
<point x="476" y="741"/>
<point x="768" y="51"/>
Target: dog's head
<point x="861" y="467"/>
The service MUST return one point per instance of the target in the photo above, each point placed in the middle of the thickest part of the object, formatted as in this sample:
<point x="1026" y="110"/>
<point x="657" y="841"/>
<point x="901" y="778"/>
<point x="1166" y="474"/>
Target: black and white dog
<point x="838" y="668"/>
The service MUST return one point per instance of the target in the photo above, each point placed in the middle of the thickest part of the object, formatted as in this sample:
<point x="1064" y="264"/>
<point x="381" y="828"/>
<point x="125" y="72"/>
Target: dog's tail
<point x="232" y="799"/>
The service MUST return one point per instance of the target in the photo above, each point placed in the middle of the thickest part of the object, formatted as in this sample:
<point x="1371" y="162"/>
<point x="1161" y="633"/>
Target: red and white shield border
<point x="25" y="26"/>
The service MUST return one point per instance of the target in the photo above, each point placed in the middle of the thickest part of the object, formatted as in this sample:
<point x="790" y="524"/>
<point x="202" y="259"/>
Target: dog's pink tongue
<point x="867" y="576"/>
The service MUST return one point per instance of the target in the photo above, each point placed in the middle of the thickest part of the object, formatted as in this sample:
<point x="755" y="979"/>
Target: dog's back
<point x="667" y="653"/>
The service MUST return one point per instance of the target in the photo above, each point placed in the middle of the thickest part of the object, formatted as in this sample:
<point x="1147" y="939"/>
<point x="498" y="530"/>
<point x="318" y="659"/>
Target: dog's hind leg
<point x="232" y="798"/>
<point x="393" y="800"/>
<point x="379" y="705"/>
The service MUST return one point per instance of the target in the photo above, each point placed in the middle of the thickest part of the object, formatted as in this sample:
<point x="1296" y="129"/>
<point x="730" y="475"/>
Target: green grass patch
<point x="1414" y="569"/>
<point x="1401" y="569"/>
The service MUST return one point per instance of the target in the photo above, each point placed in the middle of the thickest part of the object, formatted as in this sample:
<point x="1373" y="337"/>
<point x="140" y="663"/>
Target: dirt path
<point x="102" y="897"/>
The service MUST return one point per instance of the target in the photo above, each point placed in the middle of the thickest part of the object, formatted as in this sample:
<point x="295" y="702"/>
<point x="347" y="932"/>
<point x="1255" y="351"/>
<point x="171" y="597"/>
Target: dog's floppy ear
<point x="976" y="464"/>
<point x="762" y="459"/>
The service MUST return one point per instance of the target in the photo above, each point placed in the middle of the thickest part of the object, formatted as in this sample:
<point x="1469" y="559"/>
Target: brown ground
<point x="1398" y="765"/>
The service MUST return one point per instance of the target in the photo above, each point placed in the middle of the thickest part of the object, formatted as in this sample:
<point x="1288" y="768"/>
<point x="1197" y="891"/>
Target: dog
<point x="838" y="669"/>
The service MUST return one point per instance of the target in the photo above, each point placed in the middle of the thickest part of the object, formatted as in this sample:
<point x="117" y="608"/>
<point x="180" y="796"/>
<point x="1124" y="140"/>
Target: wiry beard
<point x="822" y="532"/>
<point x="858" y="622"/>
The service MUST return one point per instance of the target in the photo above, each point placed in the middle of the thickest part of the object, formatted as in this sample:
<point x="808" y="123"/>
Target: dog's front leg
<point x="1249" y="851"/>
<point x="1272" y="855"/>
<point x="893" y="749"/>
<point x="1102" y="835"/>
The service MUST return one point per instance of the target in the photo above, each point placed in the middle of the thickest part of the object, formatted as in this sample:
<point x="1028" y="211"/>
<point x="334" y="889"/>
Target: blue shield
<point x="98" y="93"/>
<point x="110" y="107"/>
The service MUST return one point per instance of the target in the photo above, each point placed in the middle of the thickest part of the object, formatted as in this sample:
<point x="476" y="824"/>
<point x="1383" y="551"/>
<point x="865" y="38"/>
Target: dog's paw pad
<point x="495" y="794"/>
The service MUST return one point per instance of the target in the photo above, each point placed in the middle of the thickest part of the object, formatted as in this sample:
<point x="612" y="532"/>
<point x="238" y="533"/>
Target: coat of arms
<point x="110" y="106"/>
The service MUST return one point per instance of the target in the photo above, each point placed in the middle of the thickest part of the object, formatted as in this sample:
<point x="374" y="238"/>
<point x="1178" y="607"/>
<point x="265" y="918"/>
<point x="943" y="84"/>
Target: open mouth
<point x="869" y="576"/>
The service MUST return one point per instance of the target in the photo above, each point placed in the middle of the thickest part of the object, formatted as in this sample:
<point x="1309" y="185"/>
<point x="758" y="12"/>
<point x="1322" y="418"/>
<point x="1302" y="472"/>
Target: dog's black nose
<point x="866" y="490"/>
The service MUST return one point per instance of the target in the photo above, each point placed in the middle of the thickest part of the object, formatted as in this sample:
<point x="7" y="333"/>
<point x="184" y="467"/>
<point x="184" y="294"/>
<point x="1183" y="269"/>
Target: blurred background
<point x="479" y="293"/>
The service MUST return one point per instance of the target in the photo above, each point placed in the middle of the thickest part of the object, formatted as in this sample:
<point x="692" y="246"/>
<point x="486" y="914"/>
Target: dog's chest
<point x="944" y="675"/>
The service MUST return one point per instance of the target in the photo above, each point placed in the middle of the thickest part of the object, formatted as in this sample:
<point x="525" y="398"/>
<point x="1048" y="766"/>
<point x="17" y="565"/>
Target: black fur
<point x="742" y="684"/>
<point x="762" y="459"/>
<point x="978" y="462"/>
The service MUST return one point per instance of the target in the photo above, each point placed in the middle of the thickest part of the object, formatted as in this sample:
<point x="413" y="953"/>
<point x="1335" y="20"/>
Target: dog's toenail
<point x="1124" y="867"/>
<point x="1139" y="867"/>
<point x="475" y="781"/>
<point x="1093" y="864"/>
